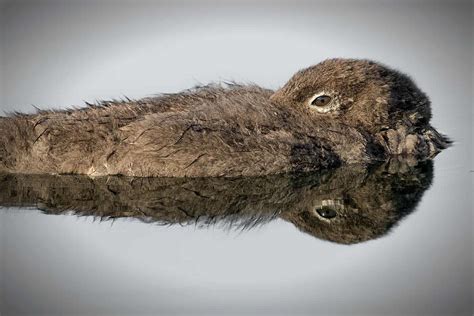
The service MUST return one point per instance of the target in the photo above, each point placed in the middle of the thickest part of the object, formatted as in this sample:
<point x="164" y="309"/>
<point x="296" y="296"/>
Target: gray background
<point x="57" y="54"/>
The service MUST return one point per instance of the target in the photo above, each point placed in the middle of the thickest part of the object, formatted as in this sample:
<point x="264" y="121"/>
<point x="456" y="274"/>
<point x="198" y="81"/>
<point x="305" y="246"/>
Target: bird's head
<point x="367" y="96"/>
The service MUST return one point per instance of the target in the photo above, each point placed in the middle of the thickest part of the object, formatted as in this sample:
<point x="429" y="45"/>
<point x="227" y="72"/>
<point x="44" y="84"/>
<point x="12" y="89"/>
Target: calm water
<point x="250" y="246"/>
<point x="385" y="240"/>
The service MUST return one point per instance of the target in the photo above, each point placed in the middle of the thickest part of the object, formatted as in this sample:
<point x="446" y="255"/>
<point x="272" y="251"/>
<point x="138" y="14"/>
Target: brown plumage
<point x="368" y="112"/>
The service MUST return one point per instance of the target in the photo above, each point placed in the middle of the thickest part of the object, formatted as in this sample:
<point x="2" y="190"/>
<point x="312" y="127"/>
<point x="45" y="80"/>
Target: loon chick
<point x="337" y="112"/>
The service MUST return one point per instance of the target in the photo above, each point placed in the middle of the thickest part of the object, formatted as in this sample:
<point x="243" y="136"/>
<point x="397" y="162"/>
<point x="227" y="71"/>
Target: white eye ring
<point x="331" y="106"/>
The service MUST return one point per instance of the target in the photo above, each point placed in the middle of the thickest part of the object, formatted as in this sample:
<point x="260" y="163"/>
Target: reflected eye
<point x="322" y="100"/>
<point x="326" y="212"/>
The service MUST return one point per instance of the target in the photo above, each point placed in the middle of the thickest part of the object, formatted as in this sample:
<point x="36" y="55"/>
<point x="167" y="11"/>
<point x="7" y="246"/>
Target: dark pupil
<point x="321" y="100"/>
<point x="326" y="212"/>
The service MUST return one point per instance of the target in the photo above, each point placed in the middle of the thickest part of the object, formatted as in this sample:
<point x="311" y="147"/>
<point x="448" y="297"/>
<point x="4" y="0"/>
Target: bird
<point x="337" y="112"/>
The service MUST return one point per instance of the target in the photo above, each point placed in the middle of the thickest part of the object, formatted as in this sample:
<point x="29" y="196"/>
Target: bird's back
<point x="214" y="130"/>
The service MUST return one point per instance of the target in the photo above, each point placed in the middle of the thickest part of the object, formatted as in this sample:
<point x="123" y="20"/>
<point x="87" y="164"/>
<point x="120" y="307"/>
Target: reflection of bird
<point x="339" y="111"/>
<point x="346" y="205"/>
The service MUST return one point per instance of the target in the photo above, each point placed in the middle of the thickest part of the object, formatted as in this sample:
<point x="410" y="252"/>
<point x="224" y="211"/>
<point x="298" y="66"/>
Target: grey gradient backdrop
<point x="57" y="54"/>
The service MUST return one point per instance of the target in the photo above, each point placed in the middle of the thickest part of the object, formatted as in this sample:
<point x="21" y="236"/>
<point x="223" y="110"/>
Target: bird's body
<point x="210" y="131"/>
<point x="231" y="130"/>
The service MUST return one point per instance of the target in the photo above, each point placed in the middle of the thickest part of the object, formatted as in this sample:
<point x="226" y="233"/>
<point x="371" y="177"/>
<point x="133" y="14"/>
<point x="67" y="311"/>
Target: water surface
<point x="353" y="240"/>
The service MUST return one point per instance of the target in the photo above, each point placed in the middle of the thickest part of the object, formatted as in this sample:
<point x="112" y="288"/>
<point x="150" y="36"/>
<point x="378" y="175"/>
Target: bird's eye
<point x="326" y="212"/>
<point x="322" y="100"/>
